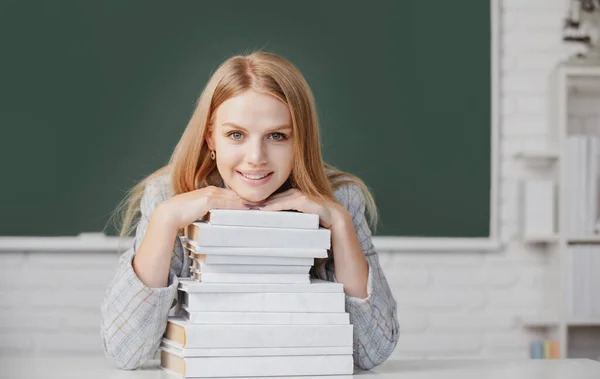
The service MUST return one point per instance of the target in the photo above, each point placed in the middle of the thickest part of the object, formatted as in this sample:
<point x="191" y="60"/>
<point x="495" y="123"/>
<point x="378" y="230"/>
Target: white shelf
<point x="582" y="240"/>
<point x="544" y="321"/>
<point x="538" y="155"/>
<point x="590" y="321"/>
<point x="554" y="322"/>
<point x="541" y="158"/>
<point x="383" y="243"/>
<point x="538" y="321"/>
<point x="548" y="239"/>
<point x="541" y="239"/>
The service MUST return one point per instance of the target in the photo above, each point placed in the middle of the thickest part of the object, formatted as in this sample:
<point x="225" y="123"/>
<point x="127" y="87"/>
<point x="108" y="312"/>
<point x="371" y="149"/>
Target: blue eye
<point x="232" y="133"/>
<point x="283" y="137"/>
<point x="274" y="136"/>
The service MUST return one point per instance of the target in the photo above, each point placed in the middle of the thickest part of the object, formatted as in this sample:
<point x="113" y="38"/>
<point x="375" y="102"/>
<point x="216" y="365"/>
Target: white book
<point x="316" y="285"/>
<point x="251" y="260"/>
<point x="569" y="286"/>
<point x="237" y="336"/>
<point x="205" y="234"/>
<point x="572" y="162"/>
<point x="582" y="185"/>
<point x="177" y="349"/>
<point x="539" y="198"/>
<point x="587" y="281"/>
<point x="264" y="302"/>
<point x="250" y="278"/>
<point x="262" y="219"/>
<point x="592" y="185"/>
<point x="265" y="318"/>
<point x="578" y="266"/>
<point x="596" y="281"/>
<point x="248" y="269"/>
<point x="290" y="252"/>
<point x="269" y="366"/>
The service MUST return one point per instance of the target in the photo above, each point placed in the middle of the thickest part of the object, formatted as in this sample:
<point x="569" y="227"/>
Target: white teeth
<point x="255" y="177"/>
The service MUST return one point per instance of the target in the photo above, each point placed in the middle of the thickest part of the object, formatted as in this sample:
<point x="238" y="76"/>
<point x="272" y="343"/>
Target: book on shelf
<point x="205" y="234"/>
<point x="582" y="184"/>
<point x="250" y="278"/>
<point x="262" y="219"/>
<point x="591" y="184"/>
<point x="583" y="282"/>
<point x="248" y="269"/>
<point x="333" y="302"/>
<point x="189" y="335"/>
<point x="265" y="318"/>
<point x="544" y="349"/>
<point x="315" y="285"/>
<point x="291" y="252"/>
<point x="267" y="366"/>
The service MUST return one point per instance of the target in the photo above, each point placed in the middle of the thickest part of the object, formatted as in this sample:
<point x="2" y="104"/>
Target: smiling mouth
<point x="255" y="177"/>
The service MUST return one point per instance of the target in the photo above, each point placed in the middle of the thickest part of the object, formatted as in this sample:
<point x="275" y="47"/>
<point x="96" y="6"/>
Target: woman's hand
<point x="294" y="199"/>
<point x="186" y="208"/>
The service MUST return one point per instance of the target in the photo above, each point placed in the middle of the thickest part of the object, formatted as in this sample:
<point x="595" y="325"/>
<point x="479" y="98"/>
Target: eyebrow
<point x="280" y="127"/>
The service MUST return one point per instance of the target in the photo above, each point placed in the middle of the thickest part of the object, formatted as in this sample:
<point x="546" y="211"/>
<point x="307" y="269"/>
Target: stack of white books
<point x="250" y="308"/>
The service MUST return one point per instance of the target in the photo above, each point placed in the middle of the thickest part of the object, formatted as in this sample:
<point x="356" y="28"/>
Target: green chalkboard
<point x="96" y="95"/>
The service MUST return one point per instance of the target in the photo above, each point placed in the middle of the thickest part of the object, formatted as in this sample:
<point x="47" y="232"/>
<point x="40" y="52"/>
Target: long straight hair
<point x="190" y="166"/>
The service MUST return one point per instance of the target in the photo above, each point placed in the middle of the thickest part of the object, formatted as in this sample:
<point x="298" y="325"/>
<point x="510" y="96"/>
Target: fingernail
<point x="262" y="206"/>
<point x="248" y="205"/>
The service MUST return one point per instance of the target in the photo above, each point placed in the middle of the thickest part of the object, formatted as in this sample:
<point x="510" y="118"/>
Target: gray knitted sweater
<point x="134" y="316"/>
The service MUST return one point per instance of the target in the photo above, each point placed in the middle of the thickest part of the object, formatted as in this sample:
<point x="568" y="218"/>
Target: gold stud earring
<point x="212" y="155"/>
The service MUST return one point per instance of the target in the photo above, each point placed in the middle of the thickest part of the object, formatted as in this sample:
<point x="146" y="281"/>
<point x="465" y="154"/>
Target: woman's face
<point x="252" y="137"/>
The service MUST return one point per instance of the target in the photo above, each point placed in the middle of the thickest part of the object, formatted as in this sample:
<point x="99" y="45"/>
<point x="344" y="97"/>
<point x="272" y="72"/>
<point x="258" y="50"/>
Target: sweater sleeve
<point x="134" y="316"/>
<point x="376" y="329"/>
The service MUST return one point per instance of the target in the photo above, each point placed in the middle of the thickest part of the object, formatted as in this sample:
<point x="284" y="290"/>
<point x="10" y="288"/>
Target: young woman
<point x="252" y="142"/>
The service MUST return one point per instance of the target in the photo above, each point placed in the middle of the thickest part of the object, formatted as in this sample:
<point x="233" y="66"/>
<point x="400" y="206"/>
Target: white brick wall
<point x="50" y="302"/>
<point x="449" y="304"/>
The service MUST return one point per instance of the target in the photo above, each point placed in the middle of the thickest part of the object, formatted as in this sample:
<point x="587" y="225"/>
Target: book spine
<point x="213" y="367"/>
<point x="193" y="247"/>
<point x="546" y="345"/>
<point x="571" y="185"/>
<point x="253" y="260"/>
<point x="205" y="234"/>
<point x="315" y="286"/>
<point x="536" y="350"/>
<point x="248" y="269"/>
<point x="267" y="318"/>
<point x="176" y="349"/>
<point x="223" y="278"/>
<point x="265" y="302"/>
<point x="263" y="219"/>
<point x="238" y="336"/>
<point x="554" y="350"/>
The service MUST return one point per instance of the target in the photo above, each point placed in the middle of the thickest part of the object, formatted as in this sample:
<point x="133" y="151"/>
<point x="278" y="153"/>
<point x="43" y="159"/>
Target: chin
<point x="256" y="195"/>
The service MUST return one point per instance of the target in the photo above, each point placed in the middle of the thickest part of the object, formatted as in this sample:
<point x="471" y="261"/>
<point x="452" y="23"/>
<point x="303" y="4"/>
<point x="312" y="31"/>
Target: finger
<point x="284" y="204"/>
<point x="283" y="196"/>
<point x="284" y="193"/>
<point x="234" y="197"/>
<point x="228" y="203"/>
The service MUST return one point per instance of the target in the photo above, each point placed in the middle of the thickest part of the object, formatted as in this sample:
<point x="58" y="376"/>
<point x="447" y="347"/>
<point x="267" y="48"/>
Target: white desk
<point x="101" y="368"/>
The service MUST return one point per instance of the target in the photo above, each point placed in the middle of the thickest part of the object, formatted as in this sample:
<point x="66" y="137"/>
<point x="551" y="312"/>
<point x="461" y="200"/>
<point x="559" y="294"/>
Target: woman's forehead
<point x="252" y="109"/>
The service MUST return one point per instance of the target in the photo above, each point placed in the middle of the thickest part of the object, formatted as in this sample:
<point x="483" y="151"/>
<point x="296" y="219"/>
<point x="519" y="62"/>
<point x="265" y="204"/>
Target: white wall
<point x="449" y="304"/>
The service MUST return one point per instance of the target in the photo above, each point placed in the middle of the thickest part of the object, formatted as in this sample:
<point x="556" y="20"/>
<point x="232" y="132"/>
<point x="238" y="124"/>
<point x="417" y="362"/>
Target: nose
<point x="256" y="154"/>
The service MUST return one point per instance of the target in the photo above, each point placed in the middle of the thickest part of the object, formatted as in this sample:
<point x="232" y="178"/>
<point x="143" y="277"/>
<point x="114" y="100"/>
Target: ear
<point x="209" y="139"/>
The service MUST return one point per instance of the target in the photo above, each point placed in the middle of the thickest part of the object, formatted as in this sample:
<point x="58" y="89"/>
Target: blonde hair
<point x="190" y="166"/>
